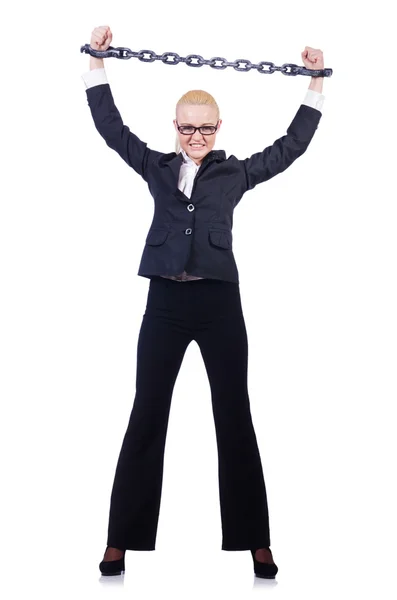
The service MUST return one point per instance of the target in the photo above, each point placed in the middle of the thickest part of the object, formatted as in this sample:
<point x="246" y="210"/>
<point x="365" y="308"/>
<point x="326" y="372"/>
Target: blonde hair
<point x="192" y="97"/>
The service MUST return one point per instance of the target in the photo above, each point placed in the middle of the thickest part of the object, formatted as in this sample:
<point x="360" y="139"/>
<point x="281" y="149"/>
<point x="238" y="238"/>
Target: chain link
<point x="195" y="60"/>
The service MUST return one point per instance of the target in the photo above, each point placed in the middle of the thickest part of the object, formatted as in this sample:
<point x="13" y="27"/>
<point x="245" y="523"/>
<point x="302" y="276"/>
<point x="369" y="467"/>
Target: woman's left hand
<point x="312" y="58"/>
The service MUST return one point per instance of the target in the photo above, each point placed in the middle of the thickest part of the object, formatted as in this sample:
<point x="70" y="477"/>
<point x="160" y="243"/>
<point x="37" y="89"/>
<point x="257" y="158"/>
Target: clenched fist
<point x="101" y="38"/>
<point x="313" y="58"/>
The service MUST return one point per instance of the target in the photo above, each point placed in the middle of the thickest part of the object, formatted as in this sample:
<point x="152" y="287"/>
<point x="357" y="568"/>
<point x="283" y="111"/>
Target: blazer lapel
<point x="175" y="164"/>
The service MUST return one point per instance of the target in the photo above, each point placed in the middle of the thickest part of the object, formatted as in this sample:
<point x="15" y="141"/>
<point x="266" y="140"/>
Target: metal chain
<point x="195" y="60"/>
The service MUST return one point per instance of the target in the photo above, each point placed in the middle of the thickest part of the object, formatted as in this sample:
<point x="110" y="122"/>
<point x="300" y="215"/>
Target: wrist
<point x="316" y="84"/>
<point x="96" y="63"/>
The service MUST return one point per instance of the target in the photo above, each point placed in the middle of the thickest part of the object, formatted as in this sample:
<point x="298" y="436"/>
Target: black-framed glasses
<point x="204" y="129"/>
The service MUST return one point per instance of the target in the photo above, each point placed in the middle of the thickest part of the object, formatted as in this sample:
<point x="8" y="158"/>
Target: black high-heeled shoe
<point x="112" y="567"/>
<point x="263" y="569"/>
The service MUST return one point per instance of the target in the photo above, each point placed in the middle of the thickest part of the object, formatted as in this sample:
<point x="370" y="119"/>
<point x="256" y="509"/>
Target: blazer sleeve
<point x="118" y="136"/>
<point x="276" y="158"/>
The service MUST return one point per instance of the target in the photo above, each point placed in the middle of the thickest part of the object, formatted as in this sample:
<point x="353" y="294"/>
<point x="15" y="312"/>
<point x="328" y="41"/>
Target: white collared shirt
<point x="187" y="174"/>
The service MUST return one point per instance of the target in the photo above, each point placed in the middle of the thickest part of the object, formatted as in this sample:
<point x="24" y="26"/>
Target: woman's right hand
<point x="101" y="38"/>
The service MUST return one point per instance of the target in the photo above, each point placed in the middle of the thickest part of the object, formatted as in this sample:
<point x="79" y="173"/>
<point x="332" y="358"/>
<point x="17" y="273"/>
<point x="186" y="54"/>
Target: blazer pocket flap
<point x="156" y="237"/>
<point x="221" y="238"/>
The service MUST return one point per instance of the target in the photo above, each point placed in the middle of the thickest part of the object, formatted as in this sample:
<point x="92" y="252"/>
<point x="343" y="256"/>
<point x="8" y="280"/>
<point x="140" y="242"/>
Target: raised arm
<point x="276" y="158"/>
<point x="107" y="118"/>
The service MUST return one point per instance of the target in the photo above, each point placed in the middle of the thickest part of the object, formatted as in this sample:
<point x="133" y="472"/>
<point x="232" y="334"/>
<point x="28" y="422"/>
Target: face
<point x="196" y="115"/>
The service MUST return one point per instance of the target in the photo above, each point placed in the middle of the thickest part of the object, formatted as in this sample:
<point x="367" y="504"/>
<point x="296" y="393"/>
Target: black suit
<point x="194" y="235"/>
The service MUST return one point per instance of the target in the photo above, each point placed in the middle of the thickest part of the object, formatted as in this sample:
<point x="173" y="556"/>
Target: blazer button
<point x="190" y="207"/>
<point x="188" y="231"/>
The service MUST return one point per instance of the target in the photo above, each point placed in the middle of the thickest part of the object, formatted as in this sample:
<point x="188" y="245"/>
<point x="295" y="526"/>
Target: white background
<point x="316" y="252"/>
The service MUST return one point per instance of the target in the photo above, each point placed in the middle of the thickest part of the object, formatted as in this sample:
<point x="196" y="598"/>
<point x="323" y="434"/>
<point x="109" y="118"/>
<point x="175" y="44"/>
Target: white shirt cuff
<point x="94" y="77"/>
<point x="314" y="99"/>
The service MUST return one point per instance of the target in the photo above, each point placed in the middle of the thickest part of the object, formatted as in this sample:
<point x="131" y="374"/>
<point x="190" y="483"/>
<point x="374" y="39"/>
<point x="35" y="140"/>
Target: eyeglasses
<point x="204" y="129"/>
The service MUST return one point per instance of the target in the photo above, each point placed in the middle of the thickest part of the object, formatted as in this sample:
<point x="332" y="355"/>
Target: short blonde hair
<point x="196" y="97"/>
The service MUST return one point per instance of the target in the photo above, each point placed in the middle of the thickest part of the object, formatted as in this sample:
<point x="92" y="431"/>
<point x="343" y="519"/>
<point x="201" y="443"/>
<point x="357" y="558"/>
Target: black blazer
<point x="195" y="235"/>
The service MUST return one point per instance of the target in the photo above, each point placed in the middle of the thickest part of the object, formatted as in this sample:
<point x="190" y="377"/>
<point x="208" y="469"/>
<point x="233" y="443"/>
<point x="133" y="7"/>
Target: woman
<point x="190" y="241"/>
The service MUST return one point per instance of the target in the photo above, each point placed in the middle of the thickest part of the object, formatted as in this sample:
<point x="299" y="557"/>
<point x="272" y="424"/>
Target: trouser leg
<point x="136" y="493"/>
<point x="244" y="509"/>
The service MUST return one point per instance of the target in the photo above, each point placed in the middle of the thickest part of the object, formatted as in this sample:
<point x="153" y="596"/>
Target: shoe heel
<point x="112" y="567"/>
<point x="264" y="570"/>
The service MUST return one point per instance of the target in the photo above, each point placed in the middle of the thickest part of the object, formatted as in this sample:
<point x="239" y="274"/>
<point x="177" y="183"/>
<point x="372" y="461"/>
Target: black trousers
<point x="208" y="311"/>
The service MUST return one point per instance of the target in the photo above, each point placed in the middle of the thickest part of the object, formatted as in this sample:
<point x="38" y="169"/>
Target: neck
<point x="197" y="161"/>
